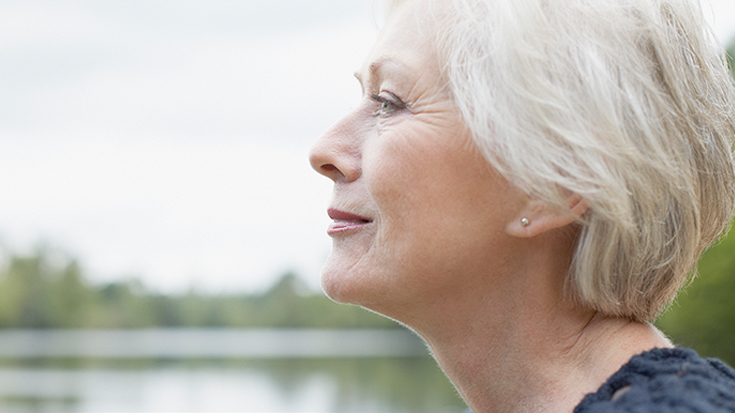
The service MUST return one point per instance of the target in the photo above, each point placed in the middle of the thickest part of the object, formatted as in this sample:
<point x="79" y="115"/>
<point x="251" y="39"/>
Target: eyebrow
<point x="375" y="67"/>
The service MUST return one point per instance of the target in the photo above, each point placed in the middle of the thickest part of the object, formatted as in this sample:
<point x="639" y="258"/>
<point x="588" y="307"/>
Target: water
<point x="220" y="370"/>
<point x="209" y="343"/>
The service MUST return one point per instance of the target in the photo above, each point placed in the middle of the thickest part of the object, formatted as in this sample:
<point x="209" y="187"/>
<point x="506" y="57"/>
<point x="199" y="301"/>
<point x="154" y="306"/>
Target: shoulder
<point x="666" y="380"/>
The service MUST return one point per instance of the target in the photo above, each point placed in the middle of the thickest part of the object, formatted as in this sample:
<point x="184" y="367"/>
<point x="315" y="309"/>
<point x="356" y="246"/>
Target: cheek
<point x="437" y="199"/>
<point x="417" y="175"/>
<point x="412" y="195"/>
<point x="393" y="167"/>
<point x="394" y="179"/>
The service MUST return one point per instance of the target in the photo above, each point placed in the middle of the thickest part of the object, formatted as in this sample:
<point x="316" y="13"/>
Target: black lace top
<point x="666" y="380"/>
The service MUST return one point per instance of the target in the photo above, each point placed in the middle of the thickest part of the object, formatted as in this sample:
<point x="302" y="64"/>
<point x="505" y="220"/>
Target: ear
<point x="537" y="218"/>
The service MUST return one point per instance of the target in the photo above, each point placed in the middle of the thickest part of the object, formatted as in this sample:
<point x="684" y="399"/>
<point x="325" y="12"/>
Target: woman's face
<point x="416" y="209"/>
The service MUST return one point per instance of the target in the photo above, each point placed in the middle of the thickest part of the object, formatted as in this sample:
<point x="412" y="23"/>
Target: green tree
<point x="703" y="316"/>
<point x="123" y="305"/>
<point x="70" y="299"/>
<point x="36" y="294"/>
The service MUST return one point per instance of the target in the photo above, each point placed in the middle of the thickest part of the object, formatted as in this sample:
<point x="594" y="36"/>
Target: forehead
<point x="406" y="43"/>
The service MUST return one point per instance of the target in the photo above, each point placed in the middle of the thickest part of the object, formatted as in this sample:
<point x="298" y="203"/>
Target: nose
<point x="337" y="153"/>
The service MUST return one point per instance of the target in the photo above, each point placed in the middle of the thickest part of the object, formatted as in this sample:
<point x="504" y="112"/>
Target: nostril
<point x="331" y="171"/>
<point x="328" y="167"/>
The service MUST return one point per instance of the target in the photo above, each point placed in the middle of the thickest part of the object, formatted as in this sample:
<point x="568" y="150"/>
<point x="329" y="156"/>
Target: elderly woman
<point x="527" y="183"/>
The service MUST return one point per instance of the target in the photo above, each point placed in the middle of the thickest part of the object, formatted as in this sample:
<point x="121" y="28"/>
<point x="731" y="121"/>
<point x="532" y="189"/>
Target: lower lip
<point x="342" y="227"/>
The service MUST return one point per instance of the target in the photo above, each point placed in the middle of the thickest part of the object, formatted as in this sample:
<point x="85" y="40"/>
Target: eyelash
<point x="388" y="105"/>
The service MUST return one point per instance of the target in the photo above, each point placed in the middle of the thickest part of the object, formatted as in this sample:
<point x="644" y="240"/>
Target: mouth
<point x="345" y="222"/>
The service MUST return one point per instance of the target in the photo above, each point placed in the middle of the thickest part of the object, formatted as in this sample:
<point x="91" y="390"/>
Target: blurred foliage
<point x="36" y="293"/>
<point x="42" y="291"/>
<point x="703" y="315"/>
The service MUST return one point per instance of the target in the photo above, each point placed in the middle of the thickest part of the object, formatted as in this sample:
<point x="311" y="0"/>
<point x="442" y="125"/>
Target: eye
<point x="385" y="107"/>
<point x="388" y="103"/>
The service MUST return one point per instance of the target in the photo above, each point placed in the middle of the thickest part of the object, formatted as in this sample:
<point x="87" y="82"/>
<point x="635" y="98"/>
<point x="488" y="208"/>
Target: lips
<point x="345" y="222"/>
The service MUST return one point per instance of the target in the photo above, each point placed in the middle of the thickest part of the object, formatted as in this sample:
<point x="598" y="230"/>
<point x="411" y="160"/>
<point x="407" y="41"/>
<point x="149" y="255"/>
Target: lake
<point x="220" y="370"/>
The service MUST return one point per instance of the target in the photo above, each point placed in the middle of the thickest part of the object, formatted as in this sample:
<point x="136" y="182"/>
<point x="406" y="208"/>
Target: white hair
<point x="627" y="103"/>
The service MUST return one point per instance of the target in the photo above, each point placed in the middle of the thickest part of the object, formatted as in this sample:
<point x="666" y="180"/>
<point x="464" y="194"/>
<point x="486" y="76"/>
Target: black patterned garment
<point x="674" y="380"/>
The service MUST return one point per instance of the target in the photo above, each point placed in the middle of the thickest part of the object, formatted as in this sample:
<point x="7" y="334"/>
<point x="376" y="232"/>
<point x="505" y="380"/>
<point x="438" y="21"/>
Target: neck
<point x="518" y="345"/>
<point x="510" y="340"/>
<point x="534" y="356"/>
<point x="504" y="368"/>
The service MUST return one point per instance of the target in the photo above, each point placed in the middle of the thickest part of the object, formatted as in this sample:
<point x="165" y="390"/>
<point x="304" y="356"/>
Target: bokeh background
<point x="153" y="161"/>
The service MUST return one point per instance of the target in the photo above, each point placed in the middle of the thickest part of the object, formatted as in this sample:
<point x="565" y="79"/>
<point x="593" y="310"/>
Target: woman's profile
<point x="526" y="184"/>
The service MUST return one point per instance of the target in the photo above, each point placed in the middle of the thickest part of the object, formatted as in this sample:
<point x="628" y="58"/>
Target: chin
<point x="346" y="284"/>
<point x="333" y="288"/>
<point x="344" y="278"/>
<point x="337" y="282"/>
<point x="373" y="292"/>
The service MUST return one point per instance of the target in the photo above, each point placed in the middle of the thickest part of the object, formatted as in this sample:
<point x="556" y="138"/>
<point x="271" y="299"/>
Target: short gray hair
<point x="628" y="103"/>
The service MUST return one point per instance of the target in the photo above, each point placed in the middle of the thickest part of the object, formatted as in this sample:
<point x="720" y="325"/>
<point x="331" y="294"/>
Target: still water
<point x="220" y="370"/>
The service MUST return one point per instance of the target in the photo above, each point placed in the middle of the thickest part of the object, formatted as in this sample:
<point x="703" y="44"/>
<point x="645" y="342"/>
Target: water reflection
<point x="209" y="343"/>
<point x="295" y="384"/>
<point x="326" y="385"/>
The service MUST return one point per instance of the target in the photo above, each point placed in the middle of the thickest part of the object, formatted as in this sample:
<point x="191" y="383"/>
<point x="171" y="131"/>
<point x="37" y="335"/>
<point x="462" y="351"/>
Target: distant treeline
<point x="35" y="293"/>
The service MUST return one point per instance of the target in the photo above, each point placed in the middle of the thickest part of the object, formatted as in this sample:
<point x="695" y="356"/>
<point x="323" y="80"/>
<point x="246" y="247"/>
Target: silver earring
<point x="525" y="222"/>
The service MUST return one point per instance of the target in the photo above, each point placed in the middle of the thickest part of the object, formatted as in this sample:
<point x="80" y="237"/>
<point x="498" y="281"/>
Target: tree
<point x="703" y="315"/>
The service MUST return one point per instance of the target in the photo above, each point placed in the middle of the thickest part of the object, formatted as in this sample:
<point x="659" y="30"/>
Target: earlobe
<point x="578" y="205"/>
<point x="537" y="218"/>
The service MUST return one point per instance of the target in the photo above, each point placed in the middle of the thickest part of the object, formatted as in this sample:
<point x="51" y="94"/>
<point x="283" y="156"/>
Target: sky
<point x="167" y="140"/>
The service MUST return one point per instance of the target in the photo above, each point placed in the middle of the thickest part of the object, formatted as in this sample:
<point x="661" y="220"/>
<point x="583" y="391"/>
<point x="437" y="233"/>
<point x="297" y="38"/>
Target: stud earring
<point x="525" y="222"/>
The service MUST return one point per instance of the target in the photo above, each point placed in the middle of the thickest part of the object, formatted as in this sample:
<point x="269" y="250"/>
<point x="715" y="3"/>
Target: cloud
<point x="721" y="15"/>
<point x="177" y="154"/>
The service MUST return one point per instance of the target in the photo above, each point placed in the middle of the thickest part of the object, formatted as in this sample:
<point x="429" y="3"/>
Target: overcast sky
<point x="167" y="139"/>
